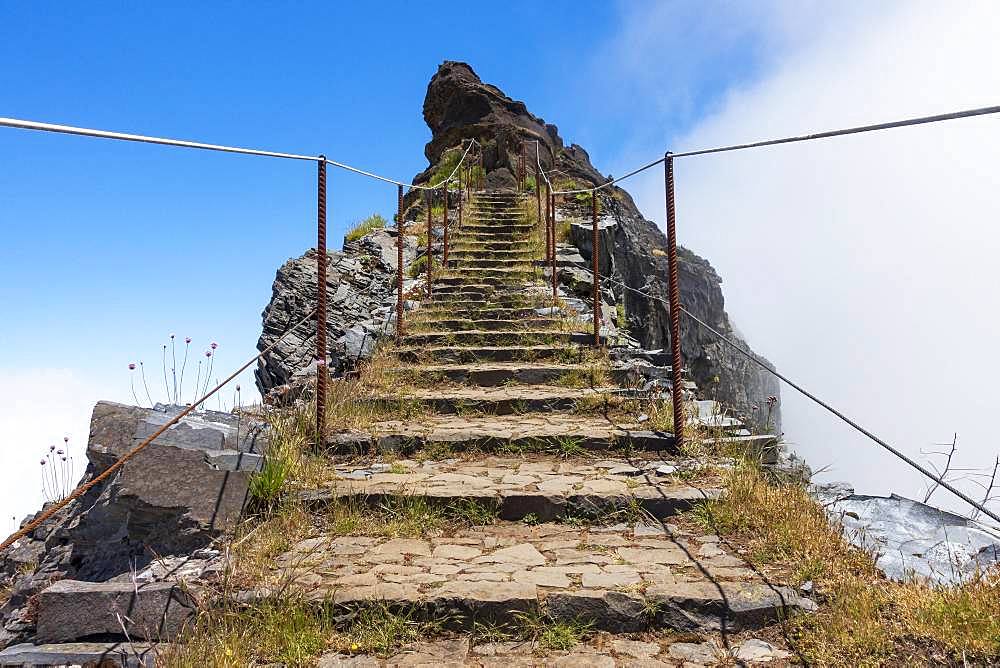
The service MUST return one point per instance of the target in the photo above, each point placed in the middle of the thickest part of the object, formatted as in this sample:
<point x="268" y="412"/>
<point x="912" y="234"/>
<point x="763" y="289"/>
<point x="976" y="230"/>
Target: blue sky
<point x="108" y="247"/>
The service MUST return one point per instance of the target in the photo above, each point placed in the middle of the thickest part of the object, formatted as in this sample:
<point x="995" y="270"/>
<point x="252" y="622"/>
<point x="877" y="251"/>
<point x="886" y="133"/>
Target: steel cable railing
<point x="321" y="253"/>
<point x="750" y="355"/>
<point x="920" y="120"/>
<point x="121" y="461"/>
<point x="671" y="223"/>
<point x="166" y="141"/>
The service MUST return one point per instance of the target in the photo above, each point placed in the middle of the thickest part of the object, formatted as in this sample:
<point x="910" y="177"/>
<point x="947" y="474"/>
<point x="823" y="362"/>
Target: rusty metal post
<point x="548" y="228"/>
<point x="444" y="262"/>
<point x="552" y="254"/>
<point x="538" y="196"/>
<point x="461" y="198"/>
<point x="524" y="166"/>
<point x="430" y="242"/>
<point x="674" y="299"/>
<point x="595" y="253"/>
<point x="321" y="370"/>
<point x="399" y="262"/>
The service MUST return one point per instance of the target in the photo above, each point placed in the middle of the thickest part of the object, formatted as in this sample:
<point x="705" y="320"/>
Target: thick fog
<point x="866" y="267"/>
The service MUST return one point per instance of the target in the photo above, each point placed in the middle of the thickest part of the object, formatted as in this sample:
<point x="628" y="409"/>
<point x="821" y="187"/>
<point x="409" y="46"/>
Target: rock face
<point x="911" y="538"/>
<point x="172" y="499"/>
<point x="360" y="296"/>
<point x="459" y="107"/>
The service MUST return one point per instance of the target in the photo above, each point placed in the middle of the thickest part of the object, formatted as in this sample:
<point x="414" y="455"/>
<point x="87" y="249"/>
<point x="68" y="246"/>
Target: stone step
<point x="495" y="225"/>
<point x="490" y="353"/>
<point x="451" y="323"/>
<point x="480" y="288"/>
<point x="154" y="611"/>
<point x="557" y="433"/>
<point x="502" y="400"/>
<point x="471" y="301"/>
<point x="515" y="272"/>
<point x="475" y="337"/>
<point x="489" y="374"/>
<point x="637" y="578"/>
<point x="543" y="488"/>
<point x="487" y="245"/>
<point x="482" y="234"/>
<point x="103" y="654"/>
<point x="525" y="264"/>
<point x="479" y="277"/>
<point x="478" y="311"/>
<point x="499" y="254"/>
<point x="597" y="651"/>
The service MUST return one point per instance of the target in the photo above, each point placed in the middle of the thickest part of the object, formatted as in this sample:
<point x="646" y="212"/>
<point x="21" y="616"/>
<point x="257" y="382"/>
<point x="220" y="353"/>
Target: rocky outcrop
<point x="360" y="295"/>
<point x="152" y="521"/>
<point x="910" y="539"/>
<point x="459" y="107"/>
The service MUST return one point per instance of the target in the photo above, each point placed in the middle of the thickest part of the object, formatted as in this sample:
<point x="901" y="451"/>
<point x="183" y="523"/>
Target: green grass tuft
<point x="363" y="227"/>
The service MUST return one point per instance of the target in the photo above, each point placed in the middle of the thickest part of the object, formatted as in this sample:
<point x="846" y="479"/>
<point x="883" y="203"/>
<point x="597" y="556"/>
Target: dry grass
<point x="865" y="619"/>
<point x="405" y="517"/>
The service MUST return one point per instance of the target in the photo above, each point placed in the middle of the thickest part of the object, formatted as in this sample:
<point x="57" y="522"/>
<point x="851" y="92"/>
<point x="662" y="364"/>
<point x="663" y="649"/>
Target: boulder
<point x="459" y="106"/>
<point x="155" y="611"/>
<point x="170" y="500"/>
<point x="102" y="654"/>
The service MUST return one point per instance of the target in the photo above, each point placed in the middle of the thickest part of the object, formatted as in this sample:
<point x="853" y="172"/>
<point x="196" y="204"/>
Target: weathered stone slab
<point x="154" y="611"/>
<point x="124" y="654"/>
<point x="522" y="488"/>
<point x="622" y="580"/>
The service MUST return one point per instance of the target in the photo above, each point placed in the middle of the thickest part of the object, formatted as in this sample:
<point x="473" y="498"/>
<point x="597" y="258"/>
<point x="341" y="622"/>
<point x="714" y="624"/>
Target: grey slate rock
<point x="912" y="538"/>
<point x="123" y="654"/>
<point x="74" y="610"/>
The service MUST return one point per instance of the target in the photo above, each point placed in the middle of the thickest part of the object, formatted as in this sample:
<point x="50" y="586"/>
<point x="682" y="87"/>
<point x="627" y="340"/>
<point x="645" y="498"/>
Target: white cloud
<point x="38" y="408"/>
<point x="864" y="266"/>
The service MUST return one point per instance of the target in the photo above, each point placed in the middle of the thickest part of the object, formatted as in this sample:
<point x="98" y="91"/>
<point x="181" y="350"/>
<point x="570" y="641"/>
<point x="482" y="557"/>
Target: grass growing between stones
<point x="864" y="619"/>
<point x="376" y="629"/>
<point x="406" y="517"/>
<point x="547" y="634"/>
<point x="362" y="227"/>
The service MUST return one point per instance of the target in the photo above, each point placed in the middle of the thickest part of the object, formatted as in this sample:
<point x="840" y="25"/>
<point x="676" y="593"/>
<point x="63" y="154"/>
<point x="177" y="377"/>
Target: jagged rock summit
<point x="459" y="106"/>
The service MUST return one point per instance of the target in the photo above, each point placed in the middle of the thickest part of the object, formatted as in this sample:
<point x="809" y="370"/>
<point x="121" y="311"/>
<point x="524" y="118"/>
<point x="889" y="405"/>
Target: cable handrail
<point x="753" y="357"/>
<point x="920" y="120"/>
<point x="121" y="461"/>
<point x="23" y="124"/>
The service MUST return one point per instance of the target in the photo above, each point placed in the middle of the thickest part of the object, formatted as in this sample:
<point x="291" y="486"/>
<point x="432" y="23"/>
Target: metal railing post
<point x="548" y="228"/>
<point x="552" y="248"/>
<point x="538" y="197"/>
<point x="321" y="370"/>
<point x="444" y="262"/>
<point x="430" y="243"/>
<point x="595" y="262"/>
<point x="674" y="299"/>
<point x="461" y="198"/>
<point x="399" y="262"/>
<point x="524" y="166"/>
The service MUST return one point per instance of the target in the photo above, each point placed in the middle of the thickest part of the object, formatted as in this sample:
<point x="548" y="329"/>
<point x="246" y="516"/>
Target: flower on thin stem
<point x="173" y="369"/>
<point x="187" y="346"/>
<point x="142" y="373"/>
<point x="131" y="382"/>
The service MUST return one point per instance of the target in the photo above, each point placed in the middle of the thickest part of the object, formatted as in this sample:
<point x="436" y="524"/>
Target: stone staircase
<point x="563" y="487"/>
<point x="575" y="500"/>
